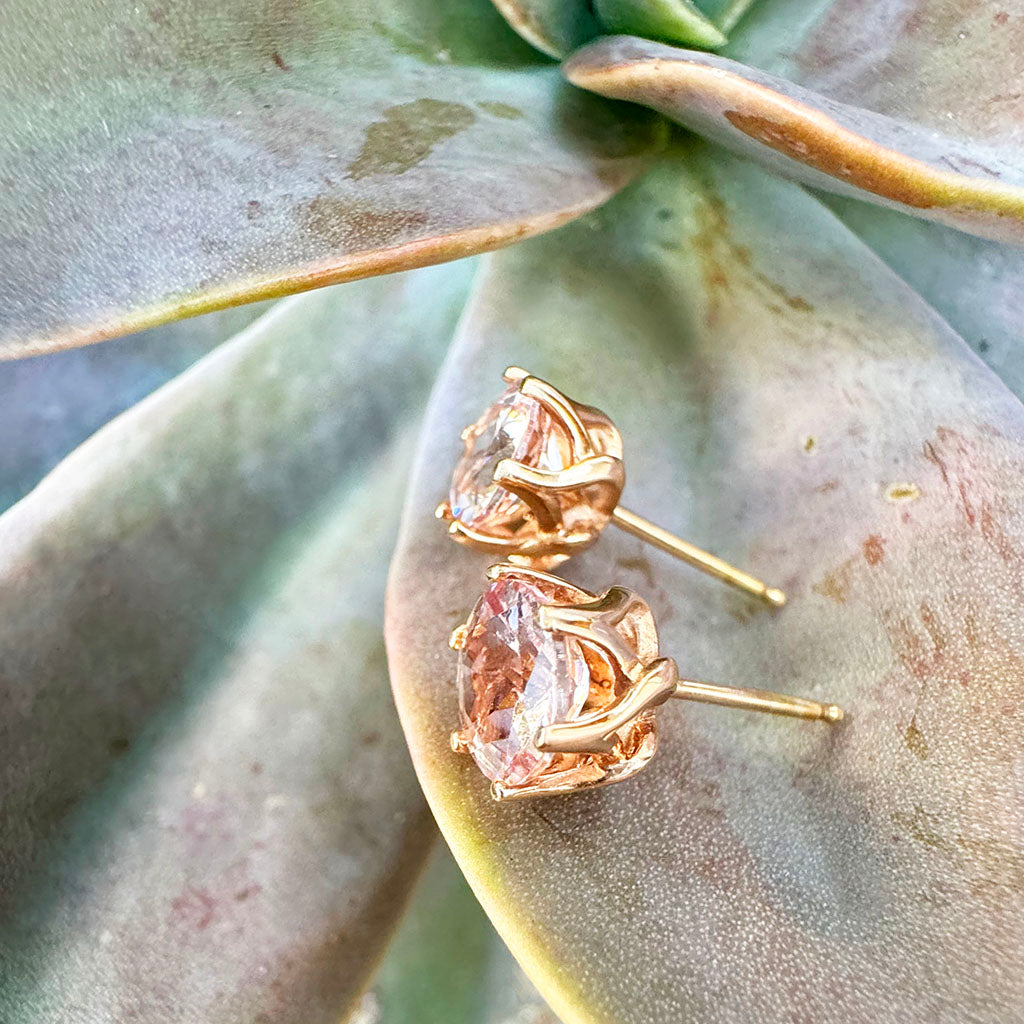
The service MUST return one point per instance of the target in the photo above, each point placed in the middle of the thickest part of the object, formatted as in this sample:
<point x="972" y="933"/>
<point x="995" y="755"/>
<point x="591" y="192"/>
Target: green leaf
<point x="790" y="404"/>
<point x="161" y="160"/>
<point x="446" y="965"/>
<point x="814" y="138"/>
<point x="51" y="404"/>
<point x="674" y="21"/>
<point x="555" y="27"/>
<point x="941" y="64"/>
<point x="977" y="285"/>
<point x="209" y="812"/>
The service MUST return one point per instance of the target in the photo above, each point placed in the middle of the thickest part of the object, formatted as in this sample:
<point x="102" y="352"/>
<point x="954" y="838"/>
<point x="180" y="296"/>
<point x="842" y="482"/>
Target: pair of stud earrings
<point x="558" y="687"/>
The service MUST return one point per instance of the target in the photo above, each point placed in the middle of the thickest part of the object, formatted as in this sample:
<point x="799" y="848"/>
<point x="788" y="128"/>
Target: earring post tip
<point x="775" y="597"/>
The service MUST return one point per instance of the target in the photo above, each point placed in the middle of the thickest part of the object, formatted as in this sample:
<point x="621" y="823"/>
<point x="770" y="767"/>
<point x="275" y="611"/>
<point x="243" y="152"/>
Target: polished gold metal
<point x="571" y="506"/>
<point x="620" y="625"/>
<point x="693" y="555"/>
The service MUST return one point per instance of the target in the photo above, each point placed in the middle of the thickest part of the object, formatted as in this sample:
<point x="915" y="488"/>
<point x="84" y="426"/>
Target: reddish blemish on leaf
<point x="835" y="585"/>
<point x="874" y="549"/>
<point x="194" y="906"/>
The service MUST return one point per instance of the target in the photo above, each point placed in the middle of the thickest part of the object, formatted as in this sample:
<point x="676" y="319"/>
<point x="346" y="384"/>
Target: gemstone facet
<point x="515" y="427"/>
<point x="515" y="677"/>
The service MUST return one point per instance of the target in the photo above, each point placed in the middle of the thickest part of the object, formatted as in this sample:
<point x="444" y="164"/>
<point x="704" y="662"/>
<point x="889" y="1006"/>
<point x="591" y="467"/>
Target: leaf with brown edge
<point x="790" y="404"/>
<point x="813" y="138"/>
<point x="944" y="65"/>
<point x="209" y="812"/>
<point x="555" y="27"/>
<point x="161" y="160"/>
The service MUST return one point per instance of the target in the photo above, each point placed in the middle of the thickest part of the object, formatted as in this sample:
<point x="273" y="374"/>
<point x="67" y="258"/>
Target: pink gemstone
<point x="515" y="677"/>
<point x="515" y="427"/>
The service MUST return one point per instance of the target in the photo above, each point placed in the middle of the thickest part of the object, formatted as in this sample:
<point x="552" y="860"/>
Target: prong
<point x="514" y="374"/>
<point x="594" y="734"/>
<point x="563" y="409"/>
<point x="499" y="792"/>
<point x="458" y="744"/>
<point x="443" y="511"/>
<point x="457" y="640"/>
<point x="593" y="471"/>
<point x="500" y="569"/>
<point x="515" y="477"/>
<point x="594" y="623"/>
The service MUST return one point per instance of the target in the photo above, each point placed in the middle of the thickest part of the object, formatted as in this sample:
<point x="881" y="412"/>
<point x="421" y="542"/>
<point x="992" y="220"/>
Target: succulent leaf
<point x="788" y="402"/>
<point x="51" y="404"/>
<point x="811" y="137"/>
<point x="555" y="27"/>
<point x="209" y="812"/>
<point x="674" y="21"/>
<point x="977" y="285"/>
<point x="162" y="160"/>
<point x="446" y="964"/>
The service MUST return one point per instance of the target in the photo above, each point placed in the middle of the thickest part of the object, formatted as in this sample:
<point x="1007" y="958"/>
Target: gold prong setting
<point x="595" y="741"/>
<point x="606" y="652"/>
<point x="539" y="475"/>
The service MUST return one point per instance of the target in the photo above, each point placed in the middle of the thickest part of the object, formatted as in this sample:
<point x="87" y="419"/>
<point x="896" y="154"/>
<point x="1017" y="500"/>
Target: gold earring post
<point x="693" y="555"/>
<point x="757" y="700"/>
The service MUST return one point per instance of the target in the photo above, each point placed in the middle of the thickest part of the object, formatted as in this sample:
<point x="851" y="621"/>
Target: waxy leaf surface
<point x="51" y="404"/>
<point x="789" y="403"/>
<point x="209" y="813"/>
<point x="159" y="160"/>
<point x="446" y="964"/>
<point x="815" y="138"/>
<point x="977" y="285"/>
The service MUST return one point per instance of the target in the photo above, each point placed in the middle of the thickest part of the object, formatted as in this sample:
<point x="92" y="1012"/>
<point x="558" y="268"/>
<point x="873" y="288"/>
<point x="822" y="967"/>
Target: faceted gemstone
<point x="515" y="427"/>
<point x="515" y="677"/>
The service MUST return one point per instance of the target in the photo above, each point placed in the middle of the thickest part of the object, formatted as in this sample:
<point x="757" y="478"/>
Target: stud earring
<point x="558" y="687"/>
<point x="540" y="478"/>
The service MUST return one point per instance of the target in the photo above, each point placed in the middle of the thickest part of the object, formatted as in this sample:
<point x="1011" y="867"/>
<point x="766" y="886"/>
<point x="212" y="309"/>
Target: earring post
<point x="693" y="555"/>
<point x="757" y="700"/>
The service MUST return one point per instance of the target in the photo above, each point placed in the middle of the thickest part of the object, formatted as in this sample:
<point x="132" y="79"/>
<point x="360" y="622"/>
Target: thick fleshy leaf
<point x="788" y="402"/>
<point x="942" y="64"/>
<point x="557" y="27"/>
<point x="208" y="809"/>
<point x="977" y="285"/>
<point x="50" y="405"/>
<point x="675" y="21"/>
<point x="162" y="160"/>
<point x="447" y="965"/>
<point x="814" y="138"/>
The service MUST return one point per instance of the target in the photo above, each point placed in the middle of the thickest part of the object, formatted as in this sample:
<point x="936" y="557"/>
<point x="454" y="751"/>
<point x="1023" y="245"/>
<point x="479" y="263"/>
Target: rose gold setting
<point x="613" y="735"/>
<point x="563" y="510"/>
<point x="567" y="507"/>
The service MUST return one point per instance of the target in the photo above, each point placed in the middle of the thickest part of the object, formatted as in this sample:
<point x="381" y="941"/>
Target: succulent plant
<point x="789" y="269"/>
